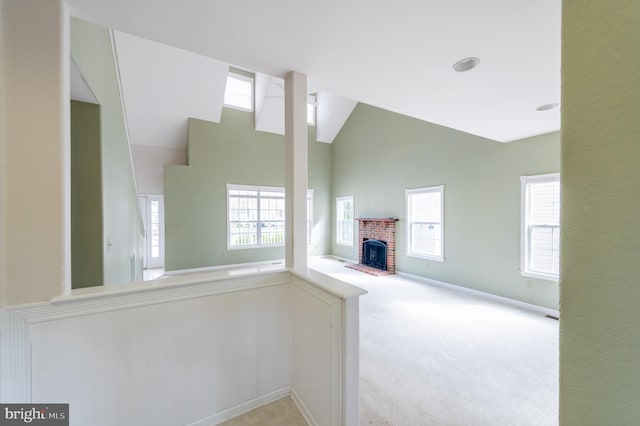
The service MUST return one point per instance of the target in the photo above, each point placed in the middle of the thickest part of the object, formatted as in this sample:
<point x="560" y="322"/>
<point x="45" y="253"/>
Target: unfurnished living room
<point x="319" y="213"/>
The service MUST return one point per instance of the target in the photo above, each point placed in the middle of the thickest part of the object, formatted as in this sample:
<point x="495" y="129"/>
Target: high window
<point x="238" y="92"/>
<point x="344" y="220"/>
<point x="424" y="222"/>
<point x="255" y="216"/>
<point x="311" y="110"/>
<point x="540" y="251"/>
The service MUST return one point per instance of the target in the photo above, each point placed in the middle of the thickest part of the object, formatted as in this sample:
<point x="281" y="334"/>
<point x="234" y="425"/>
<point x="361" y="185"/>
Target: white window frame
<point x="259" y="189"/>
<point x="339" y="240"/>
<point x="408" y="194"/>
<point x="525" y="256"/>
<point x="146" y="201"/>
<point x="250" y="80"/>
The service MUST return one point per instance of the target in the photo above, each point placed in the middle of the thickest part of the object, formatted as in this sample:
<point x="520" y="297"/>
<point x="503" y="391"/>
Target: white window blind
<point x="540" y="254"/>
<point x="255" y="216"/>
<point x="424" y="222"/>
<point x="344" y="220"/>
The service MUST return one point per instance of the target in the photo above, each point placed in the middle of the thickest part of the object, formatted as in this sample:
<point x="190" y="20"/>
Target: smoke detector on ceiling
<point x="547" y="107"/>
<point x="466" y="64"/>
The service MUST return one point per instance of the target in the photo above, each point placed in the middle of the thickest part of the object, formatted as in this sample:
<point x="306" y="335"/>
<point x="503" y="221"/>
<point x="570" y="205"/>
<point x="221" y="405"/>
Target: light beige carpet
<point x="435" y="356"/>
<point x="282" y="412"/>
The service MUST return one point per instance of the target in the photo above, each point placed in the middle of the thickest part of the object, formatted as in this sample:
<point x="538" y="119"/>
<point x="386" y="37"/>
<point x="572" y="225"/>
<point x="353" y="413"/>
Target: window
<point x="311" y="111"/>
<point x="154" y="241"/>
<point x="540" y="251"/>
<point x="309" y="216"/>
<point x="152" y="211"/>
<point x="344" y="220"/>
<point x="255" y="216"/>
<point x="239" y="92"/>
<point x="424" y="222"/>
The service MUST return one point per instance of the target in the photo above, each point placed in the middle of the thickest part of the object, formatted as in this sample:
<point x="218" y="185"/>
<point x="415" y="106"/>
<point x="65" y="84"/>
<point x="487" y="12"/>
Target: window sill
<point x="539" y="276"/>
<point x="344" y="244"/>
<point x="426" y="257"/>
<point x="255" y="247"/>
<point x="238" y="108"/>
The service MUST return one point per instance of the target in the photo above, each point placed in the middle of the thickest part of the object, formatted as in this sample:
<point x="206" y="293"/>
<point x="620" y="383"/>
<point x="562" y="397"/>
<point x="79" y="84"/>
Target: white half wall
<point x="325" y="367"/>
<point x="195" y="349"/>
<point x="316" y="386"/>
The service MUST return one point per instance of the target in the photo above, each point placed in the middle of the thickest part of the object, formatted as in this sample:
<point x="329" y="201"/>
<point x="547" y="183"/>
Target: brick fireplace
<point x="379" y="230"/>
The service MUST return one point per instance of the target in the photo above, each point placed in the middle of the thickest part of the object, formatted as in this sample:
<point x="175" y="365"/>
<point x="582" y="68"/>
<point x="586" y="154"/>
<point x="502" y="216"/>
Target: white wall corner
<point x="269" y="110"/>
<point x="332" y="113"/>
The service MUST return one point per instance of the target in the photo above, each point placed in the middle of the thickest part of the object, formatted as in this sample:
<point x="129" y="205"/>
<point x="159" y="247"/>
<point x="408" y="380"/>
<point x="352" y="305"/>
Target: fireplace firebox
<point x="374" y="253"/>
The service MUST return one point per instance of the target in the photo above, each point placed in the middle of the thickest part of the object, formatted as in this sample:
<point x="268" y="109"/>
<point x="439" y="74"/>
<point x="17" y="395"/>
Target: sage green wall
<point x="195" y="195"/>
<point x="600" y="242"/>
<point x="86" y="199"/>
<point x="92" y="50"/>
<point x="320" y="169"/>
<point x="378" y="154"/>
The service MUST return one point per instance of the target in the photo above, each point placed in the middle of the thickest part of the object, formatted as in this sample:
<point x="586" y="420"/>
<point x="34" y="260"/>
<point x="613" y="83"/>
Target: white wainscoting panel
<point x="316" y="357"/>
<point x="274" y="349"/>
<point x="167" y="362"/>
<point x="194" y="350"/>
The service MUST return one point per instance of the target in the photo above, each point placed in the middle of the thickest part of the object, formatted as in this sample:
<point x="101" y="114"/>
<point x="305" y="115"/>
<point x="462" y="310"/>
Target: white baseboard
<point x="341" y="259"/>
<point x="240" y="409"/>
<point x="513" y="302"/>
<point x="303" y="408"/>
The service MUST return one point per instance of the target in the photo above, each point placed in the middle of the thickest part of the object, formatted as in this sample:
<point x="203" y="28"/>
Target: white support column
<point x="295" y="137"/>
<point x="34" y="151"/>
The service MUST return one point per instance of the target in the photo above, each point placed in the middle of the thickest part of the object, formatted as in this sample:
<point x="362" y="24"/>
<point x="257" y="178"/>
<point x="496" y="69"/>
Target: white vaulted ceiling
<point x="163" y="86"/>
<point x="394" y="55"/>
<point x="331" y="111"/>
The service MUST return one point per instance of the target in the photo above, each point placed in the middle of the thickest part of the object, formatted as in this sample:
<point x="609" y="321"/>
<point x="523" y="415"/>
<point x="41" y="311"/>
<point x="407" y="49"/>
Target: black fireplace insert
<point x="374" y="254"/>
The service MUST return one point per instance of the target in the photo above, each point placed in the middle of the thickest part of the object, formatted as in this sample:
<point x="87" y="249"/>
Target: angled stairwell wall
<point x="195" y="195"/>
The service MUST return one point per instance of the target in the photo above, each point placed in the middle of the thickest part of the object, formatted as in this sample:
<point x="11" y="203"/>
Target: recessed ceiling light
<point x="466" y="64"/>
<point x="547" y="107"/>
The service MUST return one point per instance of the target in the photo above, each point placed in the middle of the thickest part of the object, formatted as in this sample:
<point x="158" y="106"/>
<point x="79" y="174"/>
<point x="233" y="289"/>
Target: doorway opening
<point x="152" y="208"/>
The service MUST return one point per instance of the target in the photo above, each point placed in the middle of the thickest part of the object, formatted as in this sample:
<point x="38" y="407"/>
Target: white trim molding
<point x="240" y="409"/>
